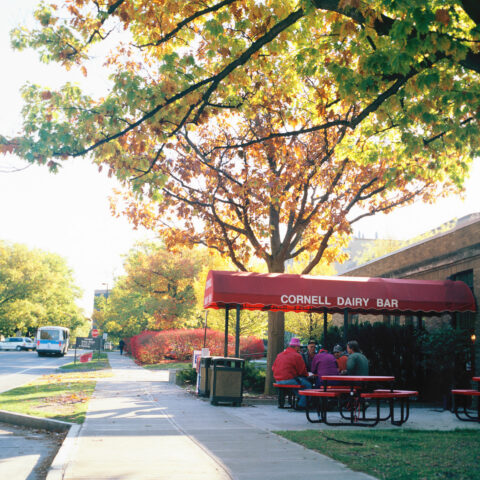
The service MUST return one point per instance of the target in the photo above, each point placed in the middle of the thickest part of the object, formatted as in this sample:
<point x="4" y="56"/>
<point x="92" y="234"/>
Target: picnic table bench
<point x="461" y="408"/>
<point x="288" y="393"/>
<point x="351" y="400"/>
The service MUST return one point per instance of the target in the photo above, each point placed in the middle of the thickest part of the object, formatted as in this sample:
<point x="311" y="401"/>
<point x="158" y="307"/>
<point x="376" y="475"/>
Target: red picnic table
<point x="461" y="409"/>
<point x="351" y="393"/>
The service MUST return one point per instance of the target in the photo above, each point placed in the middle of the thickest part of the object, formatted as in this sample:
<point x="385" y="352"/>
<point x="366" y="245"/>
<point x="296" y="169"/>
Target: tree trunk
<point x="276" y="335"/>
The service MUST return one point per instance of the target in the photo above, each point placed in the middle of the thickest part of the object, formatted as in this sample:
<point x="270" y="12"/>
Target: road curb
<point x="34" y="422"/>
<point x="64" y="454"/>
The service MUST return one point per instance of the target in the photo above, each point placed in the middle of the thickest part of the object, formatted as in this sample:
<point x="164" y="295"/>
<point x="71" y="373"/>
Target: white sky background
<point x="68" y="213"/>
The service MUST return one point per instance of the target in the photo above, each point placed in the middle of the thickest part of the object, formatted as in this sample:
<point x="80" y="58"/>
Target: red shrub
<point x="152" y="347"/>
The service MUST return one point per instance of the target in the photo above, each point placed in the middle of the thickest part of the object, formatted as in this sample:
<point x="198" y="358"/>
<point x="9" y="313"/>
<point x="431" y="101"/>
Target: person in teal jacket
<point x="357" y="362"/>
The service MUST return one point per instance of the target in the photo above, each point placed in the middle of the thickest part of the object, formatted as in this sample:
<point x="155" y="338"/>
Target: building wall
<point x="438" y="258"/>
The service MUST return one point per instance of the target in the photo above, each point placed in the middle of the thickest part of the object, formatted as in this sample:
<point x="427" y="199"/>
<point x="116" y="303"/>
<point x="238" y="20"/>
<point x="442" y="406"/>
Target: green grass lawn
<point x="62" y="396"/>
<point x="399" y="454"/>
<point x="168" y="365"/>
<point x="98" y="362"/>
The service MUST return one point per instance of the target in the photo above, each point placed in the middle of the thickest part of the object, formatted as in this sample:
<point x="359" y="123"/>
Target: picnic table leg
<point x="313" y="403"/>
<point x="281" y="398"/>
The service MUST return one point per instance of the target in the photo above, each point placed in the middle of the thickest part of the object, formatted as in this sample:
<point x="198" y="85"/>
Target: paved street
<point x="19" y="368"/>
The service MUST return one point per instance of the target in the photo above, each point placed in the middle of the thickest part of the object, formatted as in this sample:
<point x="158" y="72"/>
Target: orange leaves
<point x="442" y="16"/>
<point x="343" y="4"/>
<point x="9" y="147"/>
<point x="46" y="95"/>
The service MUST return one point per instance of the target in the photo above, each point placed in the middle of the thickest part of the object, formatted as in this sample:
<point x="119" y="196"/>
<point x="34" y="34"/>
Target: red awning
<point x="304" y="293"/>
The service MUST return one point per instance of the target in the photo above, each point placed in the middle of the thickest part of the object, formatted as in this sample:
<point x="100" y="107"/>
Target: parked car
<point x="17" y="343"/>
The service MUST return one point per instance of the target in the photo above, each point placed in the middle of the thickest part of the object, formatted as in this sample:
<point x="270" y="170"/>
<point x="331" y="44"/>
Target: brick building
<point x="454" y="255"/>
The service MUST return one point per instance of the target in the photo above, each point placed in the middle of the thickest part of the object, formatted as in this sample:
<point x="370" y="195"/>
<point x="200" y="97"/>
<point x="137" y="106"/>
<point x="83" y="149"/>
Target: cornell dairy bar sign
<point x="318" y="300"/>
<point x="304" y="293"/>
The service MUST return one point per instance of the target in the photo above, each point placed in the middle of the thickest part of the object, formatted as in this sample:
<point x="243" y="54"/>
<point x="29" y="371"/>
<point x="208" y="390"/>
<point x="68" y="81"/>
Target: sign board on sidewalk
<point x="87" y="343"/>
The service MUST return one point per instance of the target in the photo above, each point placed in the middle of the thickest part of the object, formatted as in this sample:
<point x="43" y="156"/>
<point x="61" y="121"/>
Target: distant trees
<point x="36" y="288"/>
<point x="156" y="293"/>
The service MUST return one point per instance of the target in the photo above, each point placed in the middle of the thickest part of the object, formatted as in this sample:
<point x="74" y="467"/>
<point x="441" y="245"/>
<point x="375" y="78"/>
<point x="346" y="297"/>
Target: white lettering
<point x="311" y="300"/>
<point x="340" y="301"/>
<point x="387" y="302"/>
<point x="365" y="301"/>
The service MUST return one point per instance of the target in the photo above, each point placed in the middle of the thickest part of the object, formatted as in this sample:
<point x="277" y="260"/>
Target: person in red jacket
<point x="289" y="369"/>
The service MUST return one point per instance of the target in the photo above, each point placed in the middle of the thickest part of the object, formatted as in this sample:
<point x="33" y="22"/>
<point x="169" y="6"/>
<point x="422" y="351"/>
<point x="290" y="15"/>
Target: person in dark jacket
<point x="121" y="346"/>
<point x="289" y="369"/>
<point x="310" y="354"/>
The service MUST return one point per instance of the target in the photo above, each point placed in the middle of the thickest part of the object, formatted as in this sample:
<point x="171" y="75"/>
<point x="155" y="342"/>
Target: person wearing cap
<point x="340" y="357"/>
<point x="289" y="369"/>
<point x="309" y="354"/>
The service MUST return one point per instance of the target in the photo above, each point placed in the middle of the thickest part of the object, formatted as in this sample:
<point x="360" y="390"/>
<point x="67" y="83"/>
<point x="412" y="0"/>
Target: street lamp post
<point x="106" y="296"/>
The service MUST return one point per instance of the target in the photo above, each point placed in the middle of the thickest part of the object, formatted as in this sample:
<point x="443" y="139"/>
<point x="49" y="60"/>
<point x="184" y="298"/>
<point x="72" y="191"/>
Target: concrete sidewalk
<point x="139" y="426"/>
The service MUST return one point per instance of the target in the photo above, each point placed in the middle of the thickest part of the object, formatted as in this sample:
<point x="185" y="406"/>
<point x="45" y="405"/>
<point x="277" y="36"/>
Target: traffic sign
<point x="94" y="333"/>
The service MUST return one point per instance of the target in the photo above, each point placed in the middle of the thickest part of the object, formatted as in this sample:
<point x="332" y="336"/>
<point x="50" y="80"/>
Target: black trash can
<point x="226" y="380"/>
<point x="203" y="380"/>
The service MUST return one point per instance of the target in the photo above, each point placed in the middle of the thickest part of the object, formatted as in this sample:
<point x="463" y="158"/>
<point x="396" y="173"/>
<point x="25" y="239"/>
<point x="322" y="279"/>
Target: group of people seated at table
<point x="293" y="368"/>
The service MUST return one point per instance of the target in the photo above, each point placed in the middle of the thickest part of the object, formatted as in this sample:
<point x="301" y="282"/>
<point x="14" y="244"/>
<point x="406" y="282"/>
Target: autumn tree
<point x="283" y="199"/>
<point x="381" y="97"/>
<point x="408" y="65"/>
<point x="36" y="288"/>
<point x="155" y="294"/>
<point x="253" y="322"/>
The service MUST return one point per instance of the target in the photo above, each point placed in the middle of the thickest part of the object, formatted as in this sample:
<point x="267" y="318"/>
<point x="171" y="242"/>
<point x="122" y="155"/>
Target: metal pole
<point x="225" y="348"/>
<point x="205" y="330"/>
<point x="325" y="318"/>
<point x="345" y="325"/>
<point x="237" y="334"/>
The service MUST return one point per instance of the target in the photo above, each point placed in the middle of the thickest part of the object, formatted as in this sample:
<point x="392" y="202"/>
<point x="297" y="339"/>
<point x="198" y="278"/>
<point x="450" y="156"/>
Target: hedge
<point x="151" y="347"/>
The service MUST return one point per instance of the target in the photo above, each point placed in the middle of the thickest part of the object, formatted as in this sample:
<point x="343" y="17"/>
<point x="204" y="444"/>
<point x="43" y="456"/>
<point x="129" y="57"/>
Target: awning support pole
<point x="345" y="325"/>
<point x="237" y="334"/>
<point x="325" y="318"/>
<point x="225" y="348"/>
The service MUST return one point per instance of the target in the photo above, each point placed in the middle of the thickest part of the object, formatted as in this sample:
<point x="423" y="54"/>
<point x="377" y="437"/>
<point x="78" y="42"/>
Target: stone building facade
<point x="454" y="255"/>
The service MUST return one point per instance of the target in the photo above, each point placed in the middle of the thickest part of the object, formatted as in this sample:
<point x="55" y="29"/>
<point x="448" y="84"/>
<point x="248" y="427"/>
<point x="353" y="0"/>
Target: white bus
<point x="52" y="341"/>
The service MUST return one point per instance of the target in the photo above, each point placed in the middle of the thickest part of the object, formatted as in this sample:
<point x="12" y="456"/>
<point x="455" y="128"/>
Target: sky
<point x="68" y="213"/>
